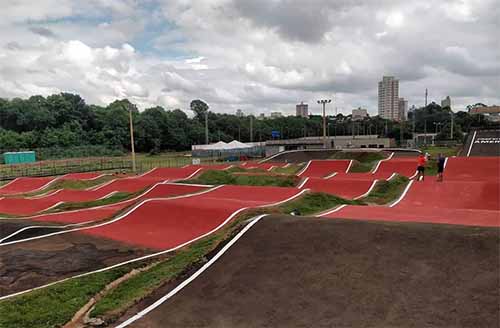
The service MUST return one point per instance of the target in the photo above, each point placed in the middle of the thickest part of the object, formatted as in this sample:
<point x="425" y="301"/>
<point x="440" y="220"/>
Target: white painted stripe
<point x="287" y="165"/>
<point x="108" y="195"/>
<point x="44" y="195"/>
<point x="9" y="183"/>
<point x="303" y="182"/>
<point x="41" y="226"/>
<point x="330" y="175"/>
<point x="304" y="169"/>
<point x="392" y="176"/>
<point x="445" y="162"/>
<point x="150" y="255"/>
<point x="51" y="207"/>
<point x="188" y="184"/>
<point x="369" y="190"/>
<point x="102" y="185"/>
<point x="192" y="277"/>
<point x="472" y="143"/>
<point x="118" y="218"/>
<point x="271" y="168"/>
<point x="349" y="167"/>
<point x="403" y="194"/>
<point x="414" y="175"/>
<point x="42" y="187"/>
<point x="192" y="175"/>
<point x="227" y="168"/>
<point x="380" y="162"/>
<point x="336" y="209"/>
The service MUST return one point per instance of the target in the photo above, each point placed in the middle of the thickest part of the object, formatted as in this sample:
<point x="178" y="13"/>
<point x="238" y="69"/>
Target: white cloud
<point x="255" y="55"/>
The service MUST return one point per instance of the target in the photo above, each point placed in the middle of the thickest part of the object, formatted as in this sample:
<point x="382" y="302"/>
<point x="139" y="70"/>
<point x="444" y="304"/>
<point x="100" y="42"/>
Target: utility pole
<point x="425" y="132"/>
<point x="131" y="137"/>
<point x="251" y="128"/>
<point x="426" y="94"/>
<point x="206" y="127"/>
<point x="239" y="132"/>
<point x="451" y="130"/>
<point x="324" y="102"/>
<point x="401" y="133"/>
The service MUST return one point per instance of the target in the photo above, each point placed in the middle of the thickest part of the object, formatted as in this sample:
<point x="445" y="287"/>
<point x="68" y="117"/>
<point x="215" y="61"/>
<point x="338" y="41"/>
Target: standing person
<point x="440" y="164"/>
<point x="421" y="167"/>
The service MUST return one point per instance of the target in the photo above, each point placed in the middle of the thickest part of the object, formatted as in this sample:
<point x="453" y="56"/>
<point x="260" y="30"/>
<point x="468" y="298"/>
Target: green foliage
<point x="65" y="121"/>
<point x="361" y="156"/>
<point x="110" y="200"/>
<point x="312" y="203"/>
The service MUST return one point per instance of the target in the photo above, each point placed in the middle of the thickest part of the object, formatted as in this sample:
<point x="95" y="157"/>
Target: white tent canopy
<point x="221" y="145"/>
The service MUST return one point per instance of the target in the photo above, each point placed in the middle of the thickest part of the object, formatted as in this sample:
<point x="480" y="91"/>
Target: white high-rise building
<point x="302" y="110"/>
<point x="388" y="98"/>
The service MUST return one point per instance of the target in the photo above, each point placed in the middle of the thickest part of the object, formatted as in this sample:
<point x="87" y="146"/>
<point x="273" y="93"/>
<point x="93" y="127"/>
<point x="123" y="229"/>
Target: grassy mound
<point x="312" y="203"/>
<point x="387" y="191"/>
<point x="225" y="177"/>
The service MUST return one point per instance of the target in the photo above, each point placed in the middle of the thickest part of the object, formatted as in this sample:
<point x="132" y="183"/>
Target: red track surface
<point x="349" y="189"/>
<point x="473" y="168"/>
<point x="322" y="168"/>
<point x="469" y="195"/>
<point x="24" y="185"/>
<point x="162" y="224"/>
<point x="103" y="212"/>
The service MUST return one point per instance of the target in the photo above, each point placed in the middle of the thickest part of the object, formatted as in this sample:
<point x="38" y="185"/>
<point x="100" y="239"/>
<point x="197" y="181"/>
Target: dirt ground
<point x="309" y="272"/>
<point x="38" y="262"/>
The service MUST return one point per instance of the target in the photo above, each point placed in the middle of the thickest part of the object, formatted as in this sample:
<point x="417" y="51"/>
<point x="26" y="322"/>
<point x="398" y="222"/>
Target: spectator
<point x="421" y="161"/>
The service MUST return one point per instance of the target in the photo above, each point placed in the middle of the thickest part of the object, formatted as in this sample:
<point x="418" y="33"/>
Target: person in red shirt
<point x="421" y="161"/>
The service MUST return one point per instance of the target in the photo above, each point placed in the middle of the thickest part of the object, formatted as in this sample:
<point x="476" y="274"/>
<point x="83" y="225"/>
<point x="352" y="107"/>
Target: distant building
<point x="239" y="113"/>
<point x="388" y="98"/>
<point x="276" y="114"/>
<point x="446" y="102"/>
<point x="402" y="109"/>
<point x="491" y="113"/>
<point x="261" y="116"/>
<point x="359" y="114"/>
<point x="302" y="110"/>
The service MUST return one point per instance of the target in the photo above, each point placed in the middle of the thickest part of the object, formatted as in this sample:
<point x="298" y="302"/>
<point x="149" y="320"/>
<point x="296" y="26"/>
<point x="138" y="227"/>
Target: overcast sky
<point x="257" y="55"/>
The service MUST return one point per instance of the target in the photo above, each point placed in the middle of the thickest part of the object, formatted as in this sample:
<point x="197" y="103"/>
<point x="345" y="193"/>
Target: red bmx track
<point x="161" y="224"/>
<point x="324" y="168"/>
<point x="468" y="196"/>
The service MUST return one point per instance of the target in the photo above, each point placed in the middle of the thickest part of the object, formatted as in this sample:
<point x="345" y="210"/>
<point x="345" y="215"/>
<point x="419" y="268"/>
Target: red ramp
<point x="324" y="168"/>
<point x="86" y="176"/>
<point x="162" y="224"/>
<point x="25" y="185"/>
<point x="106" y="211"/>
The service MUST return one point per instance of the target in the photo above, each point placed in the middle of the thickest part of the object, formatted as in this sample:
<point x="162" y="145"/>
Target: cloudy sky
<point x="257" y="55"/>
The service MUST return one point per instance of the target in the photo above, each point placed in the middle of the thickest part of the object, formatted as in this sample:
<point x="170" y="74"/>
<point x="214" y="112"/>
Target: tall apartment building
<point x="388" y="98"/>
<point x="239" y="113"/>
<point x="446" y="102"/>
<point x="276" y="114"/>
<point x="402" y="109"/>
<point x="302" y="110"/>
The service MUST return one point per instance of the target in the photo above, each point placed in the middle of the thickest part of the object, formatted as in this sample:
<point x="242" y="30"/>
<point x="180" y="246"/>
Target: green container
<point x="19" y="157"/>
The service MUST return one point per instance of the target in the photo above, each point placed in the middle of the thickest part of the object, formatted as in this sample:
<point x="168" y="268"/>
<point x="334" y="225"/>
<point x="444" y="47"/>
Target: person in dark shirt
<point x="440" y="164"/>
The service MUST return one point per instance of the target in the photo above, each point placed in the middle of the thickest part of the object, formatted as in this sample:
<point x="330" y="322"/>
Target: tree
<point x="199" y="108"/>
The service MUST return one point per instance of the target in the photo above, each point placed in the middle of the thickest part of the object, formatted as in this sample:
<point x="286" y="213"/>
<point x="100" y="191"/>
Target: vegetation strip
<point x="213" y="177"/>
<point x="387" y="191"/>
<point x="117" y="197"/>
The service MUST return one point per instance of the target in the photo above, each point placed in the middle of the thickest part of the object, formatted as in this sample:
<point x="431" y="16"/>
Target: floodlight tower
<point x="324" y="102"/>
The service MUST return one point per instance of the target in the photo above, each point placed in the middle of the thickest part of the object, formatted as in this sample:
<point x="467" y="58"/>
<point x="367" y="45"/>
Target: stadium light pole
<point x="132" y="137"/>
<point x="324" y="102"/>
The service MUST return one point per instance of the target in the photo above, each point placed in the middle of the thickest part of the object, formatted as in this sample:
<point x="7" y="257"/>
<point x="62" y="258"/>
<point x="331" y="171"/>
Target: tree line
<point x="65" y="120"/>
